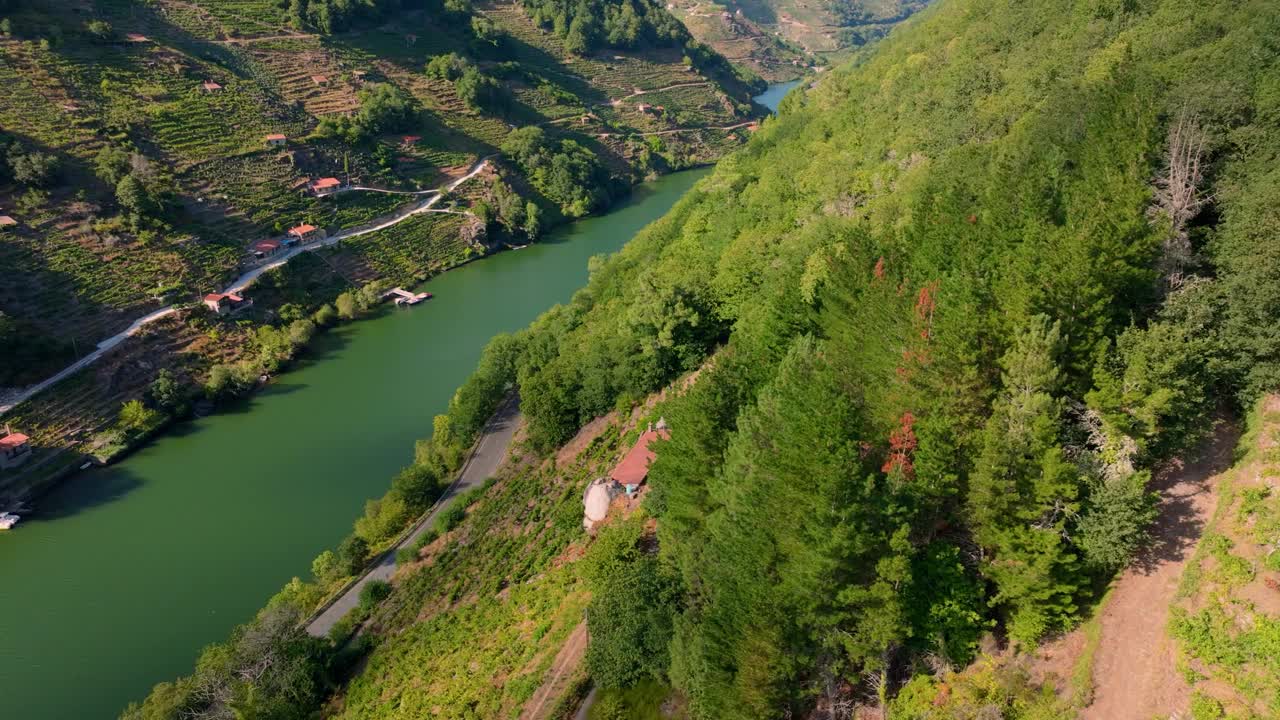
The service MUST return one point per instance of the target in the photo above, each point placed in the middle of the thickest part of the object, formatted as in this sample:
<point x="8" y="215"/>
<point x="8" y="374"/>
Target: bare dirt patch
<point x="1135" y="674"/>
<point x="587" y="435"/>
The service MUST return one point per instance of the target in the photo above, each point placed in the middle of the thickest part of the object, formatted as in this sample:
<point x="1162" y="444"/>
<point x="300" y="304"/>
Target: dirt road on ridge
<point x="1134" y="673"/>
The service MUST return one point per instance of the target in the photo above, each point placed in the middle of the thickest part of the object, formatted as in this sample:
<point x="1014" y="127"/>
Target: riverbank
<point x="160" y="554"/>
<point x="56" y="463"/>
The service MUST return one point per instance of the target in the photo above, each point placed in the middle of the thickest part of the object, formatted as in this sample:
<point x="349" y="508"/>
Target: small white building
<point x="597" y="499"/>
<point x="15" y="449"/>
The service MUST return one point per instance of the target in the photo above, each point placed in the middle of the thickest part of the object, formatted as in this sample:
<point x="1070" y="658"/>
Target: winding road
<point x="480" y="466"/>
<point x="12" y="400"/>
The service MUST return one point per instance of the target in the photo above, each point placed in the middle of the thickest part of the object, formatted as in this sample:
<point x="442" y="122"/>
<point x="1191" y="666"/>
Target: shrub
<point x="353" y="554"/>
<point x="450" y="517"/>
<point x="374" y="592"/>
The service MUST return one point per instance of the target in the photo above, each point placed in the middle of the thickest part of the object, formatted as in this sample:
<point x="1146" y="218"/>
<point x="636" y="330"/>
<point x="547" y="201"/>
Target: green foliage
<point x="588" y="25"/>
<point x="135" y="416"/>
<point x="353" y="554"/>
<point x="270" y="667"/>
<point x="990" y="688"/>
<point x="1024" y="491"/>
<point x="630" y="615"/>
<point x="373" y="593"/>
<point x="384" y="108"/>
<point x="1113" y="525"/>
<point x="563" y="170"/>
<point x="450" y="516"/>
<point x="945" y="605"/>
<point x="33" y="168"/>
<point x="168" y="394"/>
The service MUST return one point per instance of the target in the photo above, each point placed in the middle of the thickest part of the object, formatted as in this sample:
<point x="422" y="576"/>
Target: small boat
<point x="8" y="520"/>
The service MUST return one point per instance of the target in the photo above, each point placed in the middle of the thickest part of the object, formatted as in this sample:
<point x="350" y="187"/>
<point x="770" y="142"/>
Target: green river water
<point x="126" y="572"/>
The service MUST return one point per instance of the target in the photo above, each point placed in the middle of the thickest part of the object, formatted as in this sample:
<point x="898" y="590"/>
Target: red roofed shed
<point x="634" y="468"/>
<point x="15" y="449"/>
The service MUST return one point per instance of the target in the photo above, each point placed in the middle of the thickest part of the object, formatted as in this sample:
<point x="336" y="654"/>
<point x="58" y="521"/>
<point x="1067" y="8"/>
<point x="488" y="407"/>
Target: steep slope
<point x="964" y="299"/>
<point x="138" y="171"/>
<point x="933" y="331"/>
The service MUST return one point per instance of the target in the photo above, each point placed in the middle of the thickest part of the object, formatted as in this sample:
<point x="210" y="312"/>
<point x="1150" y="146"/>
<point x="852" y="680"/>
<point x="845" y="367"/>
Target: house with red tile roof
<point x="6" y="221"/>
<point x="634" y="468"/>
<point x="15" y="448"/>
<point x="136" y="38"/>
<point x="326" y="186"/>
<point x="320" y="80"/>
<point x="210" y="86"/>
<point x="307" y="233"/>
<point x="266" y="248"/>
<point x="226" y="303"/>
<point x="276" y="140"/>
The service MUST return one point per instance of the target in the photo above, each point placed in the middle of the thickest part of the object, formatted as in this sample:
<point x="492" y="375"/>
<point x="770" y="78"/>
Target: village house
<point x="15" y="448"/>
<point x="634" y="468"/>
<point x="209" y="86"/>
<point x="276" y="140"/>
<point x="6" y="221"/>
<point x="320" y="80"/>
<point x="226" y="303"/>
<point x="136" y="38"/>
<point x="325" y="186"/>
<point x="410" y="139"/>
<point x="307" y="233"/>
<point x="264" y="249"/>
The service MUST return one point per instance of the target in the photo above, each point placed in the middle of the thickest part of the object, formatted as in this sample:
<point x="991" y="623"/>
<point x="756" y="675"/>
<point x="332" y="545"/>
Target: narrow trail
<point x="12" y="400"/>
<point x="562" y="667"/>
<point x="1135" y="672"/>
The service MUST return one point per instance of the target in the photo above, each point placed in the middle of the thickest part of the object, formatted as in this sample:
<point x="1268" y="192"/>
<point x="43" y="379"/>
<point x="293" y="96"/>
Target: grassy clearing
<point x="1227" y="614"/>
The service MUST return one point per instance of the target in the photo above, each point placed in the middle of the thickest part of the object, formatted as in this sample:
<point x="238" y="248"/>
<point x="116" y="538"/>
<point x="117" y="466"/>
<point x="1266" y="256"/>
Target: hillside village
<point x="158" y="150"/>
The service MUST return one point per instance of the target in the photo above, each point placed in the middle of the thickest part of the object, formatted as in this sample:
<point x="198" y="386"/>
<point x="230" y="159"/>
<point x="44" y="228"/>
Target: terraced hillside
<point x="779" y="38"/>
<point x="147" y="147"/>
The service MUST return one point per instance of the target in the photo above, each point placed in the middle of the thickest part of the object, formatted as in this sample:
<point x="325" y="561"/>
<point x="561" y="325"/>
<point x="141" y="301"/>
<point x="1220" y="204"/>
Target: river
<point x="126" y="572"/>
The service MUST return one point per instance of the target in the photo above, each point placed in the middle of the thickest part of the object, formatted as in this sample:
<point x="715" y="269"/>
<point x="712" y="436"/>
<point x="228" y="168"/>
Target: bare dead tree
<point x="1179" y="196"/>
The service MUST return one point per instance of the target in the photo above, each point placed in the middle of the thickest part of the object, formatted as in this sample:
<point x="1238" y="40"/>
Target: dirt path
<point x="1134" y="673"/>
<point x="561" y="671"/>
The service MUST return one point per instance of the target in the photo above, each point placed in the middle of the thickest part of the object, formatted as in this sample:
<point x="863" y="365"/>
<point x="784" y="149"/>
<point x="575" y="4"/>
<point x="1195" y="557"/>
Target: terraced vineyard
<point x="151" y="120"/>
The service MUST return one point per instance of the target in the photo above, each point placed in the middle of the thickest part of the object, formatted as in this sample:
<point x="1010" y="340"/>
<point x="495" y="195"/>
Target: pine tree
<point x="1024" y="490"/>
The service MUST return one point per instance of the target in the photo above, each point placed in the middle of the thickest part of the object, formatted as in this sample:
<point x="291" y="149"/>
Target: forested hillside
<point x="949" y="311"/>
<point x="147" y="147"/>
<point x="923" y="343"/>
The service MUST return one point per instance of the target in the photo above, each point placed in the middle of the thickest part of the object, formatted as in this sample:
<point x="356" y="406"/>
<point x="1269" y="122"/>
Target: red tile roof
<point x="214" y="297"/>
<point x="326" y="183"/>
<point x="13" y="440"/>
<point x="276" y="136"/>
<point x="135" y="37"/>
<point x="635" y="466"/>
<point x="319" y="79"/>
<point x="209" y="85"/>
<point x="302" y="230"/>
<point x="411" y="139"/>
<point x="267" y="245"/>
<point x="234" y="298"/>
<point x="6" y="220"/>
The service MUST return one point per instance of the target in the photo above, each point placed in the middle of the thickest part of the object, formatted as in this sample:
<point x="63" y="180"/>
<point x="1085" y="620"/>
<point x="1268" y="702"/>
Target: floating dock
<point x="404" y="297"/>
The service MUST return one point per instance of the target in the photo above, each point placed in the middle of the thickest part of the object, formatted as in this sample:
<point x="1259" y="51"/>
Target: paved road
<point x="481" y="466"/>
<point x="13" y="399"/>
